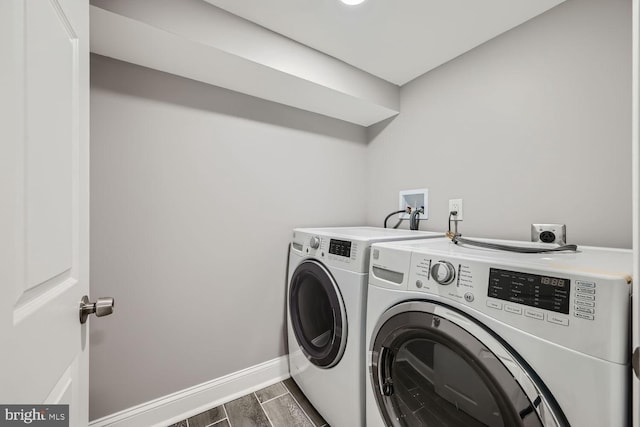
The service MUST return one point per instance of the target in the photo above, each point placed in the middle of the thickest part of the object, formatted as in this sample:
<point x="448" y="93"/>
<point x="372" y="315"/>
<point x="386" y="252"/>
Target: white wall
<point x="195" y="190"/>
<point x="531" y="127"/>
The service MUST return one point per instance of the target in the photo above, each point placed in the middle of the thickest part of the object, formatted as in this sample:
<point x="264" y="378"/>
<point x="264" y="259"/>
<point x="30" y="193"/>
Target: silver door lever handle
<point x="102" y="307"/>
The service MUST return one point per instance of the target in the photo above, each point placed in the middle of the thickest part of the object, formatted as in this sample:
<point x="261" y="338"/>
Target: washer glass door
<point x="317" y="314"/>
<point x="429" y="371"/>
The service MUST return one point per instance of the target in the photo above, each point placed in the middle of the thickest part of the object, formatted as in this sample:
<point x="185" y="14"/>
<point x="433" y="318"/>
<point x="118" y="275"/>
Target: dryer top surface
<point x="369" y="234"/>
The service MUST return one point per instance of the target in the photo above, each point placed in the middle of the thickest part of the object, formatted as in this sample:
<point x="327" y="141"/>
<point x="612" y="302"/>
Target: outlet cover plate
<point x="549" y="233"/>
<point x="456" y="205"/>
<point x="416" y="199"/>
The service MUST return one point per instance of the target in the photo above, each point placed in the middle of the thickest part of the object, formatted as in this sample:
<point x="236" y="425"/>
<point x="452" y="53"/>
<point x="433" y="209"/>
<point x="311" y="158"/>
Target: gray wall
<point x="195" y="191"/>
<point x="533" y="126"/>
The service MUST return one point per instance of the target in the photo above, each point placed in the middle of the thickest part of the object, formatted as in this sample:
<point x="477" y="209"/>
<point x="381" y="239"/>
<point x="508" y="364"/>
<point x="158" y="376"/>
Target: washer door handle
<point x="635" y="362"/>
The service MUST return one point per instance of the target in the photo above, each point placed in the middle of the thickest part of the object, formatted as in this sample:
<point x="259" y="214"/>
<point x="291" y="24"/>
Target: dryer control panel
<point x="544" y="295"/>
<point x="349" y="255"/>
<point x="348" y="248"/>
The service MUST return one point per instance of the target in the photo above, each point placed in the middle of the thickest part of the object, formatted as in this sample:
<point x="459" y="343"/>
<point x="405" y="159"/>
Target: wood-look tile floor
<point x="280" y="405"/>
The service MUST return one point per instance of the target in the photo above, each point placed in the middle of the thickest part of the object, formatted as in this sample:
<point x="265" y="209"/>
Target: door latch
<point x="102" y="307"/>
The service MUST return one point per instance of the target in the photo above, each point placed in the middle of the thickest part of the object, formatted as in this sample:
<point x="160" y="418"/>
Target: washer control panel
<point x="534" y="290"/>
<point x="586" y="309"/>
<point x="555" y="298"/>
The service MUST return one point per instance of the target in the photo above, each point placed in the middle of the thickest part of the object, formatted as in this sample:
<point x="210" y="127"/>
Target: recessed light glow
<point x="352" y="2"/>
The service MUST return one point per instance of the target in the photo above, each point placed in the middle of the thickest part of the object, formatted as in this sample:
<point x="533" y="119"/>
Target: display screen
<point x="340" y="247"/>
<point x="548" y="293"/>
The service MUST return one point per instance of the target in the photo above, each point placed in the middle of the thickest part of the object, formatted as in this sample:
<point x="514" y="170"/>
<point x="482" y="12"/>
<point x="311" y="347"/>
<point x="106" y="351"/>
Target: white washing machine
<point x="465" y="336"/>
<point x="327" y="284"/>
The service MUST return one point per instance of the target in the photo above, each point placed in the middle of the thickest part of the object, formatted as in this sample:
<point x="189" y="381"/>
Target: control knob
<point x="314" y="242"/>
<point x="443" y="272"/>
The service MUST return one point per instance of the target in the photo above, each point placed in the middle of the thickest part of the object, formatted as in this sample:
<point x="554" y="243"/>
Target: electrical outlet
<point x="549" y="233"/>
<point x="415" y="199"/>
<point x="456" y="205"/>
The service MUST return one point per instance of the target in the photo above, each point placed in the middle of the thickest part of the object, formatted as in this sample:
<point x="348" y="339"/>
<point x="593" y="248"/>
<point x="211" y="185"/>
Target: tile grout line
<point x="287" y="391"/>
<point x="263" y="411"/>
<point x="274" y="398"/>
<point x="224" y="408"/>
<point x="218" y="422"/>
<point x="300" y="406"/>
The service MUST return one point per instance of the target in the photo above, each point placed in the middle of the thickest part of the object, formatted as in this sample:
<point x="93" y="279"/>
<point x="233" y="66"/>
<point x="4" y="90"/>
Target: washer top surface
<point x="609" y="261"/>
<point x="369" y="234"/>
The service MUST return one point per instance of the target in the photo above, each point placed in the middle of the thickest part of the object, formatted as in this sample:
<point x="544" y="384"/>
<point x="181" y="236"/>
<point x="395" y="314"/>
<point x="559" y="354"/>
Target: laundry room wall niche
<point x="532" y="126"/>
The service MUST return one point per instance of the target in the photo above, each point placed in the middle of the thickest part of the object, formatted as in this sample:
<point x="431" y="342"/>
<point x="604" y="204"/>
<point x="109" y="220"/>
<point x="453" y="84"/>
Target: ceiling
<point x="396" y="40"/>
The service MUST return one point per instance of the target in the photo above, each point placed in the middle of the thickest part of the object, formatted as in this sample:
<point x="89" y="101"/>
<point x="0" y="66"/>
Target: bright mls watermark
<point x="34" y="415"/>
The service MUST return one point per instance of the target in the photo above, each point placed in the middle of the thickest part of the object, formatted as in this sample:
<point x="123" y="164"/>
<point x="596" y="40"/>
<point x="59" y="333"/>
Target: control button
<point x="494" y="304"/>
<point x="533" y="314"/>
<point x="557" y="320"/>
<point x="418" y="283"/>
<point x="584" y="316"/>
<point x="469" y="297"/>
<point x="314" y="242"/>
<point x="585" y="297"/>
<point x="513" y="309"/>
<point x="443" y="272"/>
<point x="376" y="253"/>
<point x="586" y="290"/>
<point x="585" y="303"/>
<point x="585" y="284"/>
<point x="585" y="309"/>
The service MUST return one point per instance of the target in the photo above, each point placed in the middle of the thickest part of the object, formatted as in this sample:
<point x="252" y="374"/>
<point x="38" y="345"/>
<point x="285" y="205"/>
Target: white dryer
<point x="327" y="283"/>
<point x="464" y="336"/>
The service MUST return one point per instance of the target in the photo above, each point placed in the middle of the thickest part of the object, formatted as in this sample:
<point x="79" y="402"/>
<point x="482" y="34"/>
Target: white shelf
<point x="198" y="41"/>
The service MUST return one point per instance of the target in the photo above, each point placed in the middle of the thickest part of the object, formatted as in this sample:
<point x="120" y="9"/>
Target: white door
<point x="44" y="203"/>
<point x="635" y="141"/>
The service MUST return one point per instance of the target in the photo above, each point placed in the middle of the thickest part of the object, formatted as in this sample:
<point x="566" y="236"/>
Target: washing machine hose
<point x="459" y="240"/>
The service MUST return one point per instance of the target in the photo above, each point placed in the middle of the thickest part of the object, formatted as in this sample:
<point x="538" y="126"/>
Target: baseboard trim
<point x="174" y="407"/>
